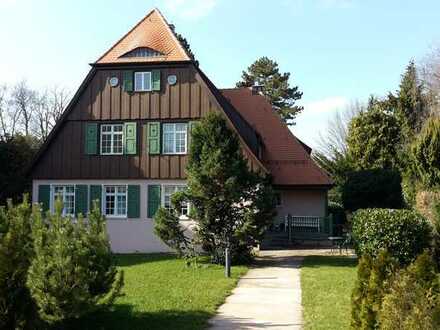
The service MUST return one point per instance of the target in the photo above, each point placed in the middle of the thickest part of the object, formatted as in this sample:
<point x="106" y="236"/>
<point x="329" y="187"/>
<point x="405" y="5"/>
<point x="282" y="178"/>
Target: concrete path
<point x="267" y="297"/>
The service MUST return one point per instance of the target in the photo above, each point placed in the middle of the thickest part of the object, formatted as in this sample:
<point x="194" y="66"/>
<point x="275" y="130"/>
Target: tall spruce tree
<point x="409" y="102"/>
<point x="276" y="88"/>
<point x="231" y="204"/>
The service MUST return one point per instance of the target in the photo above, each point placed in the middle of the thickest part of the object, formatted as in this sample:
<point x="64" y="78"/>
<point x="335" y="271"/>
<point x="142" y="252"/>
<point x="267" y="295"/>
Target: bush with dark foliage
<point x="372" y="189"/>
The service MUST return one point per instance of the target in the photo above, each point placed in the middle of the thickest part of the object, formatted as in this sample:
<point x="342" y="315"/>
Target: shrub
<point x="72" y="272"/>
<point x="17" y="309"/>
<point x="372" y="189"/>
<point x="425" y="154"/>
<point x="404" y="233"/>
<point x="167" y="226"/>
<point x="425" y="204"/>
<point x="373" y="276"/>
<point x="413" y="299"/>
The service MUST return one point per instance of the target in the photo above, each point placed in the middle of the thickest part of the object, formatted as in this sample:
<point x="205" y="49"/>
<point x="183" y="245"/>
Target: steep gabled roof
<point x="152" y="32"/>
<point x="284" y="155"/>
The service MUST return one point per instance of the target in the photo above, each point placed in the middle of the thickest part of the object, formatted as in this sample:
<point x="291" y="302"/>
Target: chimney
<point x="257" y="89"/>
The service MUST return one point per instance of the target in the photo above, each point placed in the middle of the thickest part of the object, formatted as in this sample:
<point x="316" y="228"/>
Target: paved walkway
<point x="267" y="297"/>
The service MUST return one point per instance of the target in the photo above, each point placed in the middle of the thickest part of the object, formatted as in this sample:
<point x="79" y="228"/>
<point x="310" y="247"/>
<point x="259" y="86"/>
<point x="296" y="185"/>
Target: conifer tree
<point x="410" y="103"/>
<point x="72" y="272"/>
<point x="17" y="309"/>
<point x="231" y="205"/>
<point x="276" y="87"/>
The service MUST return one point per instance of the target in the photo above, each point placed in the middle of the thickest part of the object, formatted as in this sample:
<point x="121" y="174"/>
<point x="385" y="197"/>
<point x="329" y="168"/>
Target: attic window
<point x="142" y="52"/>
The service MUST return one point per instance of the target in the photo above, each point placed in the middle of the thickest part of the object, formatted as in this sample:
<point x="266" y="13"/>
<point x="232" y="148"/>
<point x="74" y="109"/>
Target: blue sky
<point x="336" y="50"/>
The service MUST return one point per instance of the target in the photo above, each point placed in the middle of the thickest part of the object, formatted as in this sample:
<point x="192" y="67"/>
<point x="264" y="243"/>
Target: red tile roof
<point x="284" y="155"/>
<point x="151" y="32"/>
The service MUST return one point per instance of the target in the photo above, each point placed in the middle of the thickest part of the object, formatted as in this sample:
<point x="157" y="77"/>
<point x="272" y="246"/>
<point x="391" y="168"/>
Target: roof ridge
<point x="171" y="31"/>
<point x="126" y="34"/>
<point x="151" y="31"/>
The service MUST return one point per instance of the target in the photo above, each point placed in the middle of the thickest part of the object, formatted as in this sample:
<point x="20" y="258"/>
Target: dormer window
<point x="142" y="52"/>
<point x="142" y="81"/>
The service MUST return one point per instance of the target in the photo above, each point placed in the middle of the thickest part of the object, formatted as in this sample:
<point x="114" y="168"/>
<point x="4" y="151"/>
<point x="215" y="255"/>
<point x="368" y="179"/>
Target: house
<point x="123" y="139"/>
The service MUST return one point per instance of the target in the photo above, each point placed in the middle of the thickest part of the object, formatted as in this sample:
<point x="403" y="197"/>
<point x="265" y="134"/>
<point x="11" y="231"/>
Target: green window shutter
<point x="154" y="138"/>
<point x="133" y="201"/>
<point x="44" y="196"/>
<point x="130" y="138"/>
<point x="127" y="84"/>
<point x="156" y="80"/>
<point x="153" y="200"/>
<point x="81" y="199"/>
<point x="91" y="138"/>
<point x="95" y="194"/>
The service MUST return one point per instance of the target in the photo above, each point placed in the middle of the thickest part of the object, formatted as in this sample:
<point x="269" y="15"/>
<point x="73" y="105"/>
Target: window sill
<point x="174" y="153"/>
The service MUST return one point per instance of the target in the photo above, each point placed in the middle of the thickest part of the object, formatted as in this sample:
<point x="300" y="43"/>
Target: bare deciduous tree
<point x="24" y="100"/>
<point x="333" y="141"/>
<point x="49" y="107"/>
<point x="429" y="71"/>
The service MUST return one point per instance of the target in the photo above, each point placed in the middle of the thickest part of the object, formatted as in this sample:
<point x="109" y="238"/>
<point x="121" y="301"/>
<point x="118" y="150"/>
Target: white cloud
<point x="7" y="3"/>
<point x="313" y="120"/>
<point x="190" y="9"/>
<point x="325" y="105"/>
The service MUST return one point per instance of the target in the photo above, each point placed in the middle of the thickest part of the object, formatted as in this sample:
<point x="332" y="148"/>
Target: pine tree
<point x="231" y="205"/>
<point x="17" y="310"/>
<point x="276" y="88"/>
<point x="72" y="272"/>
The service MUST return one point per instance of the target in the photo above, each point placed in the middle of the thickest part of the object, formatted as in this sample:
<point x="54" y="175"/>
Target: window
<point x="168" y="191"/>
<point x="112" y="139"/>
<point x="115" y="198"/>
<point x="142" y="81"/>
<point x="143" y="52"/>
<point x="175" y="138"/>
<point x="66" y="194"/>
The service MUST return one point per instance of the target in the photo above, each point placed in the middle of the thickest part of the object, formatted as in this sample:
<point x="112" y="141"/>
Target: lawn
<point x="326" y="283"/>
<point x="160" y="292"/>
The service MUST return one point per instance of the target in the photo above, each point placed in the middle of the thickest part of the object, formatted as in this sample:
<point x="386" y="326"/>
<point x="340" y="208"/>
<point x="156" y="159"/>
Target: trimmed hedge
<point x="372" y="188"/>
<point x="404" y="233"/>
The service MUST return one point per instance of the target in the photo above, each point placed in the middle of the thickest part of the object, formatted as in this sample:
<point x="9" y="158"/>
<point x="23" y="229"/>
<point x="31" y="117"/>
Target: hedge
<point x="404" y="233"/>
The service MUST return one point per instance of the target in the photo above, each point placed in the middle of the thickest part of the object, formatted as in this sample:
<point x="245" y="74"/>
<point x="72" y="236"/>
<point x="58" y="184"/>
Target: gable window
<point x="112" y="139"/>
<point x="115" y="201"/>
<point x="142" y="81"/>
<point x="65" y="194"/>
<point x="143" y="52"/>
<point x="175" y="138"/>
<point x="168" y="191"/>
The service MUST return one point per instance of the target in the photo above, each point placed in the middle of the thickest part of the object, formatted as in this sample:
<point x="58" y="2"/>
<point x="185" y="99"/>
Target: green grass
<point x="326" y="284"/>
<point x="160" y="292"/>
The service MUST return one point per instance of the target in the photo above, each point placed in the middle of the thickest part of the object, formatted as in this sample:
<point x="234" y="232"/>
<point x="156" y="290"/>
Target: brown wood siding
<point x="187" y="100"/>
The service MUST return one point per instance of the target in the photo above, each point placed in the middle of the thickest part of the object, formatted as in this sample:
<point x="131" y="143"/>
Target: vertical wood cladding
<point x="187" y="100"/>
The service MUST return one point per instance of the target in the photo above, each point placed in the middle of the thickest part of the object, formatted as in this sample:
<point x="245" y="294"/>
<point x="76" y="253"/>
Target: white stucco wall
<point x="301" y="203"/>
<point x="126" y="235"/>
<point x="137" y="235"/>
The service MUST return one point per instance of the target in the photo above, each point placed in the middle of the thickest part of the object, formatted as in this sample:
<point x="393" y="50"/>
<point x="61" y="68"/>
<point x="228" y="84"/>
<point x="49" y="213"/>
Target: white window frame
<point x="143" y="88"/>
<point x="112" y="134"/>
<point x="104" y="201"/>
<point x="174" y="132"/>
<point x="64" y="194"/>
<point x="175" y="186"/>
